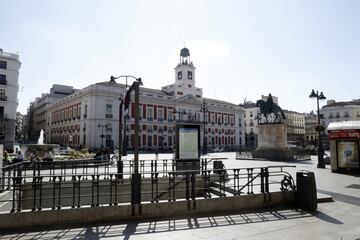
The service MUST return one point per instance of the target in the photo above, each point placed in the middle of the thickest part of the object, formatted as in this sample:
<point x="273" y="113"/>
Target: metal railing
<point x="69" y="167"/>
<point x="74" y="190"/>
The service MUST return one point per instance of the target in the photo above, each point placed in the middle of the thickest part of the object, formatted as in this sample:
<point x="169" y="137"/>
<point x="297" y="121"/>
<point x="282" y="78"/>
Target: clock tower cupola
<point x="184" y="77"/>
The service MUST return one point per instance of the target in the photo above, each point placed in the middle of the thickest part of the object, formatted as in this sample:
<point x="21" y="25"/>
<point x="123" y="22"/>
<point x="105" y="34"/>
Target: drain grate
<point x="355" y="186"/>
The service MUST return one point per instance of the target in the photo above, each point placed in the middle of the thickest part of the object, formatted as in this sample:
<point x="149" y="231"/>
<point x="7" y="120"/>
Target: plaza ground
<point x="339" y="219"/>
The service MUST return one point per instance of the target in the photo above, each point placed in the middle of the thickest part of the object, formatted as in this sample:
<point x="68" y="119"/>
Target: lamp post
<point x="318" y="97"/>
<point x="136" y="177"/>
<point x="204" y="110"/>
<point x="122" y="127"/>
<point x="183" y="112"/>
<point x="102" y="134"/>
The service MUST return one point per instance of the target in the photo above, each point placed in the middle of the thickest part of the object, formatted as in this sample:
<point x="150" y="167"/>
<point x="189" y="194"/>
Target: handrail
<point x="54" y="191"/>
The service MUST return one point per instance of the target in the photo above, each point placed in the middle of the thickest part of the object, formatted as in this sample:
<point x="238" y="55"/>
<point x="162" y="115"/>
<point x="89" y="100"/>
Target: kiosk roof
<point x="344" y="125"/>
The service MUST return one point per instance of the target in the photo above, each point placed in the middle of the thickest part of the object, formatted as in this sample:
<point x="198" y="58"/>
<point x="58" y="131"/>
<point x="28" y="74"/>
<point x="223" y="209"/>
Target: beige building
<point x="42" y="104"/>
<point x="311" y="135"/>
<point x="90" y="117"/>
<point x="295" y="127"/>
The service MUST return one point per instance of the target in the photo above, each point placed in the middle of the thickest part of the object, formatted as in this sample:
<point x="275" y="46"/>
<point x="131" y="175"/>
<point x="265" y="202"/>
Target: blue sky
<point x="241" y="49"/>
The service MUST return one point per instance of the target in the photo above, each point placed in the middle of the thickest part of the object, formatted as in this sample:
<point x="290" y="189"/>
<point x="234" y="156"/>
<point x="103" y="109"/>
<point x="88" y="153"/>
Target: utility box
<point x="306" y="196"/>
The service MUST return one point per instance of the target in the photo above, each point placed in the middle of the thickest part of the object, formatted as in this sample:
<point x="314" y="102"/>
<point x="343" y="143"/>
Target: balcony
<point x="3" y="98"/>
<point x="150" y="119"/>
<point x="108" y="115"/>
<point x="160" y="120"/>
<point x="3" y="82"/>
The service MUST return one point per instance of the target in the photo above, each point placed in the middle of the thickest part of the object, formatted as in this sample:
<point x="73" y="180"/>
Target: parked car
<point x="218" y="149"/>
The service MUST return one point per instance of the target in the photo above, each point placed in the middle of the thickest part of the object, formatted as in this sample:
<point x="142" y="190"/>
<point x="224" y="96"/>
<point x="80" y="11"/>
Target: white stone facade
<point x="84" y="116"/>
<point x="9" y="87"/>
<point x="340" y="111"/>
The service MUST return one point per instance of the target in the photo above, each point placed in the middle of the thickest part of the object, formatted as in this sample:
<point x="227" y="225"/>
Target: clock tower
<point x="184" y="78"/>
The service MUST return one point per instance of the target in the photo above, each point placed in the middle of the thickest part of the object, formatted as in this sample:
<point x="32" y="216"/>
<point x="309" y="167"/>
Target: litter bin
<point x="306" y="197"/>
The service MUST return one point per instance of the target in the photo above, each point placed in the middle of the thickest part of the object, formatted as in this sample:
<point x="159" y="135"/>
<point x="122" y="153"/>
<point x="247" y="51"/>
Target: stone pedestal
<point x="272" y="143"/>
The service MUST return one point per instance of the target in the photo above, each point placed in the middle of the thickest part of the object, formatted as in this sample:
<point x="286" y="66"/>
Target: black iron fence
<point x="52" y="188"/>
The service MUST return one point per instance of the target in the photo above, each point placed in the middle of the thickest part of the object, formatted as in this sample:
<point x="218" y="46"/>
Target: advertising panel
<point x="348" y="154"/>
<point x="188" y="142"/>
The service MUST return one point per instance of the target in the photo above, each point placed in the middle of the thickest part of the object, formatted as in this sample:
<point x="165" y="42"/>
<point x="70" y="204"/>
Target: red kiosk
<point x="344" y="140"/>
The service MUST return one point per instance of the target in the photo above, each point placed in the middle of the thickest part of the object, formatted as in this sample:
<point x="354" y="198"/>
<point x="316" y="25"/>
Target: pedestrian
<point x="19" y="159"/>
<point x="156" y="154"/>
<point x="6" y="157"/>
<point x="33" y="156"/>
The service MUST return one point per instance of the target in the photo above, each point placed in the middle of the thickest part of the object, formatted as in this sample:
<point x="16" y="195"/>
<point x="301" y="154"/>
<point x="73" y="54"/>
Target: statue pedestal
<point x="272" y="143"/>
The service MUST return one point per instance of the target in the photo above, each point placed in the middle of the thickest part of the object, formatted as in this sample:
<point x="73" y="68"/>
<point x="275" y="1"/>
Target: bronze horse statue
<point x="268" y="107"/>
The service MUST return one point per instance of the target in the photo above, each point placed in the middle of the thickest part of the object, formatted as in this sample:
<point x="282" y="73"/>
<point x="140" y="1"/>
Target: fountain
<point x="41" y="138"/>
<point x="40" y="147"/>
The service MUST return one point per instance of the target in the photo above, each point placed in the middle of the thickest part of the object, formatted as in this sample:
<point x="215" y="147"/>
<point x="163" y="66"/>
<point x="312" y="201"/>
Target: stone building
<point x="41" y="106"/>
<point x="295" y="127"/>
<point x="340" y="111"/>
<point x="311" y="135"/>
<point x="9" y="87"/>
<point x="90" y="117"/>
<point x="251" y="125"/>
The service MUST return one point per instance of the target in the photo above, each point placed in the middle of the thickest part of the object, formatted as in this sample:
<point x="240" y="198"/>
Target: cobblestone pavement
<point x="335" y="220"/>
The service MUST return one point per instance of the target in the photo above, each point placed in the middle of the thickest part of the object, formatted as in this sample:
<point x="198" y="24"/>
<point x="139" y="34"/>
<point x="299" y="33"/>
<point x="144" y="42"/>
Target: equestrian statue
<point x="267" y="108"/>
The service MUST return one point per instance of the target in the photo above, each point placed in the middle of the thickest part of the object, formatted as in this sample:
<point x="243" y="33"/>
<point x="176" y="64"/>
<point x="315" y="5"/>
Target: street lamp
<point x="204" y="110"/>
<point x="318" y="97"/>
<point x="102" y="134"/>
<point x="122" y="127"/>
<point x="136" y="177"/>
<point x="183" y="112"/>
